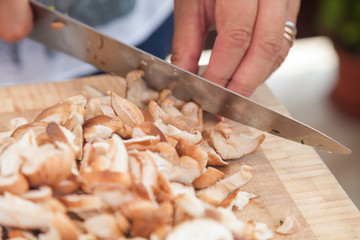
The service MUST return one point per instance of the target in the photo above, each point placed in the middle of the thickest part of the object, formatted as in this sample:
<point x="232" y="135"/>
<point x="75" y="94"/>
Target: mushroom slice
<point x="142" y="143"/>
<point x="38" y="195"/>
<point x="179" y="188"/>
<point x="122" y="222"/>
<point x="216" y="193"/>
<point x="37" y="127"/>
<point x="187" y="170"/>
<point x="190" y="205"/>
<point x="13" y="156"/>
<point x="209" y="177"/>
<point x="20" y="235"/>
<point x="20" y="213"/>
<point x="199" y="229"/>
<point x="16" y="184"/>
<point x="168" y="152"/>
<point x="69" y="185"/>
<point x="48" y="165"/>
<point x="127" y="111"/>
<point x="193" y="151"/>
<point x="57" y="133"/>
<point x="96" y="106"/>
<point x="58" y="113"/>
<point x="231" y="145"/>
<point x="94" y="179"/>
<point x="137" y="91"/>
<point x="165" y="94"/>
<point x="83" y="205"/>
<point x="289" y="226"/>
<point x="168" y="106"/>
<point x="178" y="134"/>
<point x="147" y="129"/>
<point x="238" y="199"/>
<point x="213" y="158"/>
<point x="101" y="127"/>
<point x="103" y="226"/>
<point x="192" y="110"/>
<point x="146" y="217"/>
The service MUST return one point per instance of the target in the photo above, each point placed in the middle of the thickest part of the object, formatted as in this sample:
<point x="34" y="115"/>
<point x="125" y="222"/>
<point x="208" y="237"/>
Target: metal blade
<point x="109" y="55"/>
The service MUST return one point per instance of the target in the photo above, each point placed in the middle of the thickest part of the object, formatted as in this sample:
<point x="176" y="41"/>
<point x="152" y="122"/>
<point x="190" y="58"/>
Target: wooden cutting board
<point x="289" y="178"/>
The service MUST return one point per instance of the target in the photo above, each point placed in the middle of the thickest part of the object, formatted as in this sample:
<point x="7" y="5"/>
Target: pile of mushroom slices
<point x="109" y="167"/>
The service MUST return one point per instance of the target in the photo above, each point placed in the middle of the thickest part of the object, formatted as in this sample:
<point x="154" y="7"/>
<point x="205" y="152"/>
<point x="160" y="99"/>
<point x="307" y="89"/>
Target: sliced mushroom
<point x="83" y="205"/>
<point x="147" y="129"/>
<point x="289" y="226"/>
<point x="57" y="133"/>
<point x="122" y="222"/>
<point x="15" y="183"/>
<point x="179" y="188"/>
<point x="231" y="145"/>
<point x="193" y="151"/>
<point x="37" y="127"/>
<point x="178" y="134"/>
<point x="213" y="158"/>
<point x="146" y="217"/>
<point x="165" y="94"/>
<point x="209" y="177"/>
<point x="95" y="107"/>
<point x="13" y="156"/>
<point x="137" y="91"/>
<point x="187" y="170"/>
<point x="200" y="229"/>
<point x="48" y="165"/>
<point x="101" y="127"/>
<point x="20" y="213"/>
<point x="92" y="180"/>
<point x="168" y="152"/>
<point x="58" y="113"/>
<point x="24" y="214"/>
<point x="20" y="234"/>
<point x="129" y="114"/>
<point x="38" y="195"/>
<point x="238" y="199"/>
<point x="216" y="193"/>
<point x="142" y="143"/>
<point x="191" y="109"/>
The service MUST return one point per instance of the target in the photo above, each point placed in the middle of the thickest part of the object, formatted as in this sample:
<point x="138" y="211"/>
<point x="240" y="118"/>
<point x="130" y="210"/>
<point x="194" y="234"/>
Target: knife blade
<point x="109" y="55"/>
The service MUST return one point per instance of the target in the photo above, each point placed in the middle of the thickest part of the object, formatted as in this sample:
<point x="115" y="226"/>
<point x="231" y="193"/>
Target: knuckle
<point x="270" y="46"/>
<point x="238" y="37"/>
<point x="279" y="60"/>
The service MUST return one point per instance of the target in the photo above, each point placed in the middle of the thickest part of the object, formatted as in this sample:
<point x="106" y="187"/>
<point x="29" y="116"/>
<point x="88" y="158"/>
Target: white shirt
<point x="37" y="65"/>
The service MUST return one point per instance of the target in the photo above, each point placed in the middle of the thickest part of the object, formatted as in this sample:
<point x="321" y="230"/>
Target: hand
<point x="16" y="19"/>
<point x="249" y="45"/>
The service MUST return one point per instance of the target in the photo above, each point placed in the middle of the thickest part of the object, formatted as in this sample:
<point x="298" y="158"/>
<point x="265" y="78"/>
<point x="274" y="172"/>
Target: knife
<point x="62" y="33"/>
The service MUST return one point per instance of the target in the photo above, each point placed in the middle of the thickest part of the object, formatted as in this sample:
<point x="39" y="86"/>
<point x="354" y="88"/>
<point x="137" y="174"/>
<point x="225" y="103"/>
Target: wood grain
<point x="288" y="177"/>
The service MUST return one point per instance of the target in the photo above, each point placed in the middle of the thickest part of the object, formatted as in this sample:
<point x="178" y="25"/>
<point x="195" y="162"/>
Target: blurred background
<point x="319" y="82"/>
